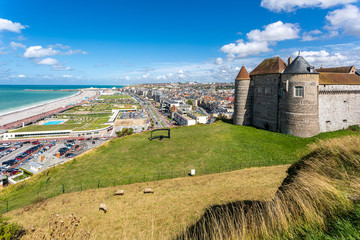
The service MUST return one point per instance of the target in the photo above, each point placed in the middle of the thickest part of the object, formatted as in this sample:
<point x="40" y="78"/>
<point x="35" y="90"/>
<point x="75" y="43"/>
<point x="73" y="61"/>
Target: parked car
<point x="26" y="142"/>
<point x="103" y="138"/>
<point x="70" y="155"/>
<point x="35" y="143"/>
<point x="93" y="142"/>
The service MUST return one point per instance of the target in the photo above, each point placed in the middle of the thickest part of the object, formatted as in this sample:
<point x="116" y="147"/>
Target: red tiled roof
<point x="338" y="79"/>
<point x="346" y="69"/>
<point x="243" y="74"/>
<point x="269" y="66"/>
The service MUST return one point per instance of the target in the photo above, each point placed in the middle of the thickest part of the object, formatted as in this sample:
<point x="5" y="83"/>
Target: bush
<point x="125" y="132"/>
<point x="10" y="230"/>
<point x="355" y="128"/>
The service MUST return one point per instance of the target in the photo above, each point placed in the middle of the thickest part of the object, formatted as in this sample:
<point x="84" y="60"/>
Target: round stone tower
<point x="243" y="97"/>
<point x="299" y="108"/>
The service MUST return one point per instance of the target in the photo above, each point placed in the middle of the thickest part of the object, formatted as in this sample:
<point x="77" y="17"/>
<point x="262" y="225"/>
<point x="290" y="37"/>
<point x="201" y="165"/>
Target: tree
<point x="189" y="101"/>
<point x="125" y="132"/>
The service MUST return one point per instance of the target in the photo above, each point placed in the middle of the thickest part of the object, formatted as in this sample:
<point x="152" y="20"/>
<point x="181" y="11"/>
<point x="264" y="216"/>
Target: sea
<point x="14" y="97"/>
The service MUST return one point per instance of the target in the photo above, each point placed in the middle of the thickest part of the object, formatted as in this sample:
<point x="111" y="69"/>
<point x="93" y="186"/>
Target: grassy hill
<point x="175" y="204"/>
<point x="207" y="148"/>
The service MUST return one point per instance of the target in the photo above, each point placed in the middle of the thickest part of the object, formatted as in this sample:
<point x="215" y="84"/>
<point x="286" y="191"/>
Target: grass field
<point x="76" y="123"/>
<point x="207" y="148"/>
<point x="175" y="204"/>
<point x="114" y="96"/>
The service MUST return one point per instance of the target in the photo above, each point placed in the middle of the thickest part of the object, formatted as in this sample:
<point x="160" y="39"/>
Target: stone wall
<point x="265" y="103"/>
<point x="339" y="106"/>
<point x="299" y="116"/>
<point x="243" y="102"/>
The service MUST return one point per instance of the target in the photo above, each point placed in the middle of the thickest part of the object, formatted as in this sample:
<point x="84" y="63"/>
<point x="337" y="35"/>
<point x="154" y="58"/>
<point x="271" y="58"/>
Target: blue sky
<point x="127" y="42"/>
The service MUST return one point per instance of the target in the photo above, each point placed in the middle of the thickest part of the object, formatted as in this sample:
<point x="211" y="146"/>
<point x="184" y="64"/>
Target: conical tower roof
<point x="243" y="74"/>
<point x="300" y="65"/>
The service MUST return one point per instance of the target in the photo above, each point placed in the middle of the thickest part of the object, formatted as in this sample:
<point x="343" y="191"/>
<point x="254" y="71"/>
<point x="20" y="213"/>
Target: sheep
<point x="103" y="207"/>
<point x="148" y="190"/>
<point x="119" y="192"/>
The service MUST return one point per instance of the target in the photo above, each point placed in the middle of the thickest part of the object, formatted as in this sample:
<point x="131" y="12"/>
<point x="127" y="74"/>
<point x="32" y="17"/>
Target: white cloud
<point x="323" y="58"/>
<point x="48" y="61"/>
<point x="219" y="61"/>
<point x="260" y="40"/>
<point x="16" y="45"/>
<point x="346" y="19"/>
<point x="67" y="76"/>
<point x="21" y="76"/>
<point x="274" y="32"/>
<point x="39" y="51"/>
<point x="311" y="35"/>
<point x="8" y="25"/>
<point x="241" y="49"/>
<point x="292" y="5"/>
<point x="146" y="75"/>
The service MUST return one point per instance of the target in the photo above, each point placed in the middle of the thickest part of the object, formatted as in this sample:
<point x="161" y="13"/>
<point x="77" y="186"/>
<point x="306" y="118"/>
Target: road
<point x="159" y="119"/>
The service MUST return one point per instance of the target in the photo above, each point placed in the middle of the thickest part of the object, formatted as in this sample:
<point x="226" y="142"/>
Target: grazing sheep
<point x="148" y="190"/>
<point x="119" y="192"/>
<point x="103" y="207"/>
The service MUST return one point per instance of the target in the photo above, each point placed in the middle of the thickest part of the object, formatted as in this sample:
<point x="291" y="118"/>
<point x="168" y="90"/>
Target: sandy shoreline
<point x="36" y="105"/>
<point x="45" y="107"/>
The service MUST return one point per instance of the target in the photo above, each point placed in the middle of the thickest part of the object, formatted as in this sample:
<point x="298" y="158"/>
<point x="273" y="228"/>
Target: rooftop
<point x="243" y="74"/>
<point x="300" y="66"/>
<point x="338" y="78"/>
<point x="347" y="69"/>
<point x="269" y="66"/>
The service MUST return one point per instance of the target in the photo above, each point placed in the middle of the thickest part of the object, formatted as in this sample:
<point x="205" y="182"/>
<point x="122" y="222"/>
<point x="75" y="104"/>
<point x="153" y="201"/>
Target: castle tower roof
<point x="243" y="74"/>
<point x="269" y="66"/>
<point x="300" y="66"/>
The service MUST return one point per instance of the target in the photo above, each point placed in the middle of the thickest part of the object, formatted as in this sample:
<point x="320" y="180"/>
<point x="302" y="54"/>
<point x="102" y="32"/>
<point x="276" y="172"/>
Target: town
<point x="32" y="145"/>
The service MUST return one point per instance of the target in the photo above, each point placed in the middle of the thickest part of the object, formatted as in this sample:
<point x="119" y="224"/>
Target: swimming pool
<point x="53" y="122"/>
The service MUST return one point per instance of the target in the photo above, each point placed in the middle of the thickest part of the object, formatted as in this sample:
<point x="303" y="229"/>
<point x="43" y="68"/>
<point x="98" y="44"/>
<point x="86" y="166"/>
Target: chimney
<point x="289" y="60"/>
<point x="42" y="158"/>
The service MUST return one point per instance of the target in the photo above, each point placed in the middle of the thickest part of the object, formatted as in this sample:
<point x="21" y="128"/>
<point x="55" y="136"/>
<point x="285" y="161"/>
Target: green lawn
<point x="35" y="128"/>
<point x="76" y="123"/>
<point x="114" y="96"/>
<point x="207" y="148"/>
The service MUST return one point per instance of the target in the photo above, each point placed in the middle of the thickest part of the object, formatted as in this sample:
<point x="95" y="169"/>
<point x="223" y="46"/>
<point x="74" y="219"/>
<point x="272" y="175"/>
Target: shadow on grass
<point x="220" y="220"/>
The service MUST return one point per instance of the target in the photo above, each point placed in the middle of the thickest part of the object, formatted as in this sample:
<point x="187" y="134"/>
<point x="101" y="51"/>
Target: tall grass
<point x="319" y="187"/>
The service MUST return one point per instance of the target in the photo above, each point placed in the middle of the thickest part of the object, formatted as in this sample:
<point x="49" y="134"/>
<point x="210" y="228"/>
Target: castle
<point x="297" y="99"/>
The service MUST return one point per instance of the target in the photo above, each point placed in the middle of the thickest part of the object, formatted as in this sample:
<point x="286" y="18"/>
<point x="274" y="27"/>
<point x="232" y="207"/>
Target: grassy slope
<point x="114" y="96"/>
<point x="206" y="148"/>
<point x="176" y="203"/>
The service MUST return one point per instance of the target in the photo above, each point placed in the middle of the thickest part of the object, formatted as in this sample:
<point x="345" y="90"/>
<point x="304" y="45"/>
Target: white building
<point x="183" y="119"/>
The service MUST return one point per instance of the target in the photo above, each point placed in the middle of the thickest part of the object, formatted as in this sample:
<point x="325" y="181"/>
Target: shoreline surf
<point x="36" y="104"/>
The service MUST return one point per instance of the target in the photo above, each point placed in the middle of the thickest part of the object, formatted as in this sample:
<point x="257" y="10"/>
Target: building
<point x="297" y="99"/>
<point x="183" y="120"/>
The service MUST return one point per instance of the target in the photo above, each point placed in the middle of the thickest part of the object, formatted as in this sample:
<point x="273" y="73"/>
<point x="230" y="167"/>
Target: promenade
<point x="35" y="113"/>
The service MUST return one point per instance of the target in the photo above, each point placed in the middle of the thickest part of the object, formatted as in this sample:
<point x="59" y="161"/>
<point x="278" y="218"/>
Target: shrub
<point x="355" y="128"/>
<point x="10" y="230"/>
<point x="125" y="132"/>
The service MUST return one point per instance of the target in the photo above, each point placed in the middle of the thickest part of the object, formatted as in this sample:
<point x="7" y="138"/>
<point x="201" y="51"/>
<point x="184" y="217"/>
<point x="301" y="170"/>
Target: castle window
<point x="267" y="90"/>
<point x="299" y="91"/>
